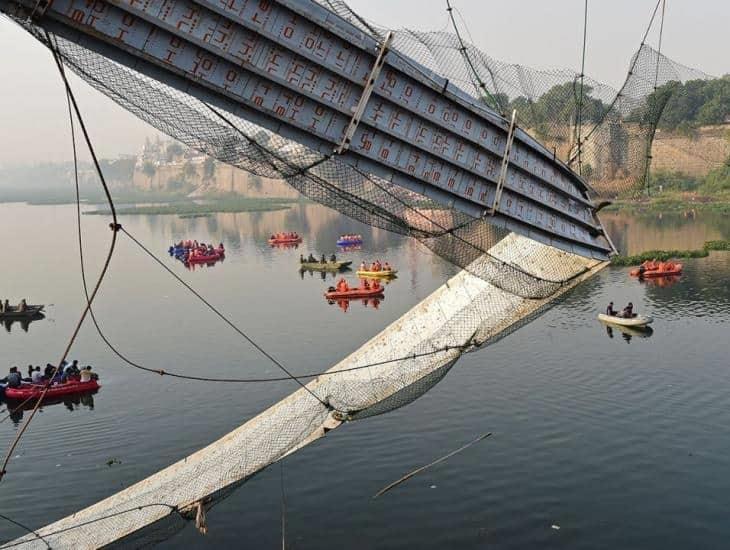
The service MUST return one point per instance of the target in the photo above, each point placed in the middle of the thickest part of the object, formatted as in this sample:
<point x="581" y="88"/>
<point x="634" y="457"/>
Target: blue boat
<point x="349" y="241"/>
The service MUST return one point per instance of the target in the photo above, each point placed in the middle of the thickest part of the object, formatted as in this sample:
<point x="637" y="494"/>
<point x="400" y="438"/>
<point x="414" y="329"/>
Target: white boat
<point x="638" y="321"/>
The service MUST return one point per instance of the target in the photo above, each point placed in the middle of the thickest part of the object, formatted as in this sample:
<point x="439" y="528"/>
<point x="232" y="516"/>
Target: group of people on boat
<point x="188" y="249"/>
<point x="66" y="372"/>
<point x="342" y="285"/>
<point x="626" y="313"/>
<point x="312" y="260"/>
<point x="205" y="250"/>
<point x="653" y="265"/>
<point x="285" y="236"/>
<point x="350" y="237"/>
<point x="375" y="266"/>
<point x="5" y="306"/>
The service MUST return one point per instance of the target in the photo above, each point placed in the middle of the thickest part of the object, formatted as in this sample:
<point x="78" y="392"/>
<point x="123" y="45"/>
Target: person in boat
<point x="324" y="259"/>
<point x="22" y="306"/>
<point x="610" y="311"/>
<point x="6" y="306"/>
<point x="365" y="284"/>
<point x="48" y="371"/>
<point x="342" y="285"/>
<point x="301" y="258"/>
<point x="30" y="372"/>
<point x="363" y="266"/>
<point x="86" y="374"/>
<point x="13" y="379"/>
<point x="37" y="376"/>
<point x="333" y="258"/>
<point x="386" y="267"/>
<point x="375" y="285"/>
<point x="311" y="259"/>
<point x="2" y="308"/>
<point x="71" y="368"/>
<point x="628" y="311"/>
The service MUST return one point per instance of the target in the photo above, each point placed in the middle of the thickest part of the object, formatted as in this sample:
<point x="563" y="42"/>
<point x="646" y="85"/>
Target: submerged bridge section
<point x="301" y="71"/>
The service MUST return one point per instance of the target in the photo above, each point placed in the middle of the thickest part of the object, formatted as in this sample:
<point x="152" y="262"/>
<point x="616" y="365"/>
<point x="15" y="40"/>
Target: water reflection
<point x="192" y="266"/>
<point x="634" y="234"/>
<point x="344" y="305"/>
<point x="285" y="245"/>
<point x="627" y="333"/>
<point x="75" y="402"/>
<point x="664" y="282"/>
<point x="23" y="323"/>
<point x="322" y="274"/>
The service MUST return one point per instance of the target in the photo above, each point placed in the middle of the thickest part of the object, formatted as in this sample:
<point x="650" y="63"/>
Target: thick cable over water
<point x="114" y="227"/>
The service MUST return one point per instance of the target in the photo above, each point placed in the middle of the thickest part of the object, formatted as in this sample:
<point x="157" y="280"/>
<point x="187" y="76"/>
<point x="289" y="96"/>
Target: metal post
<point x="369" y="85"/>
<point x="505" y="163"/>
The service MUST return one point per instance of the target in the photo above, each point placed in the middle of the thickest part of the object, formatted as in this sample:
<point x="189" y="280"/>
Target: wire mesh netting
<point x="507" y="280"/>
<point x="617" y="126"/>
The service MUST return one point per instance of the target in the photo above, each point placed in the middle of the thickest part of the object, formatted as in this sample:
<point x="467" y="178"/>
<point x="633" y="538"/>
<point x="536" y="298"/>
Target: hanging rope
<point x="114" y="227"/>
<point x="492" y="101"/>
<point x="579" y="113"/>
<point x="647" y="168"/>
<point x="620" y="93"/>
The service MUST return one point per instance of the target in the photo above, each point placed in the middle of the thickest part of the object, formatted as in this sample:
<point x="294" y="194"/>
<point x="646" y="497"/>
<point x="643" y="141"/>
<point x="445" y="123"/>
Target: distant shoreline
<point x="192" y="209"/>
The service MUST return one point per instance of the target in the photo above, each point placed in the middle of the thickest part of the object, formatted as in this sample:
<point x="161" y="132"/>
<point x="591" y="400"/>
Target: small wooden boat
<point x="326" y="266"/>
<point x="353" y="293"/>
<point x="383" y="273"/>
<point x="637" y="321"/>
<point x="30" y="312"/>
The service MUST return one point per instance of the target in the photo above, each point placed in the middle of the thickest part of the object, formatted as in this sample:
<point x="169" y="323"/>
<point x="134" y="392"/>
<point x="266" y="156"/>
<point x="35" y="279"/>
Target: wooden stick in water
<point x="422" y="468"/>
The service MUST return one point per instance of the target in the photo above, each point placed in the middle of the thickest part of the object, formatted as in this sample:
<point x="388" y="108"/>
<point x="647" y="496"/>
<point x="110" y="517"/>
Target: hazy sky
<point x="537" y="33"/>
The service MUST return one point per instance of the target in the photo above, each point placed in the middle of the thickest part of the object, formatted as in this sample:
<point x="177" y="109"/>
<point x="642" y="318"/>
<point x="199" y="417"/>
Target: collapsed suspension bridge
<point x="307" y="92"/>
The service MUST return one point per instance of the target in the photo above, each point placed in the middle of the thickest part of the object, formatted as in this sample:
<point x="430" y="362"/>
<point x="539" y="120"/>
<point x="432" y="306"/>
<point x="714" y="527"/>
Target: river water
<point x="618" y="440"/>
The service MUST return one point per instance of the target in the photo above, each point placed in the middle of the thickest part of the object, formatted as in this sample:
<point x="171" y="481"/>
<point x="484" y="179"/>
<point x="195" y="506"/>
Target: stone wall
<point x="695" y="155"/>
<point x="613" y="167"/>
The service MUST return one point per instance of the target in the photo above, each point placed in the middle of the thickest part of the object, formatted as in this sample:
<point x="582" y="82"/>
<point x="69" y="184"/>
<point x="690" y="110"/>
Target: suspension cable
<point x="482" y="86"/>
<point x="579" y="113"/>
<point x="626" y="80"/>
<point x="114" y="227"/>
<point x="647" y="170"/>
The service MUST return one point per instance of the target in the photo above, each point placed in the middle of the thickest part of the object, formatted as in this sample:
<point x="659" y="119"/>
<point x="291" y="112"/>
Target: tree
<point x="174" y="149"/>
<point x="189" y="170"/>
<point x="208" y="168"/>
<point x="149" y="169"/>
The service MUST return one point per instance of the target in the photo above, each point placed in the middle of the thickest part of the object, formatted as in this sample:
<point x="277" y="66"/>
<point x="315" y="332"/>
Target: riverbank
<point x="190" y="209"/>
<point x="672" y="203"/>
<point x="664" y="255"/>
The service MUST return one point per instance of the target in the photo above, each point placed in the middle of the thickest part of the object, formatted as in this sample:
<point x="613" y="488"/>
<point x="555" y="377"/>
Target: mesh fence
<point x="617" y="127"/>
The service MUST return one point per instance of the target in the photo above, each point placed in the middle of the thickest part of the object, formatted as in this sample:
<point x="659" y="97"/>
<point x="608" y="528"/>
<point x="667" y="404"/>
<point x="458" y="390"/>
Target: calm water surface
<point x="621" y="441"/>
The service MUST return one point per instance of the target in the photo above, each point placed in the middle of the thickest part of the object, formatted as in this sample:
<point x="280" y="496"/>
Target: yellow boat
<point x="384" y="274"/>
<point x="326" y="266"/>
